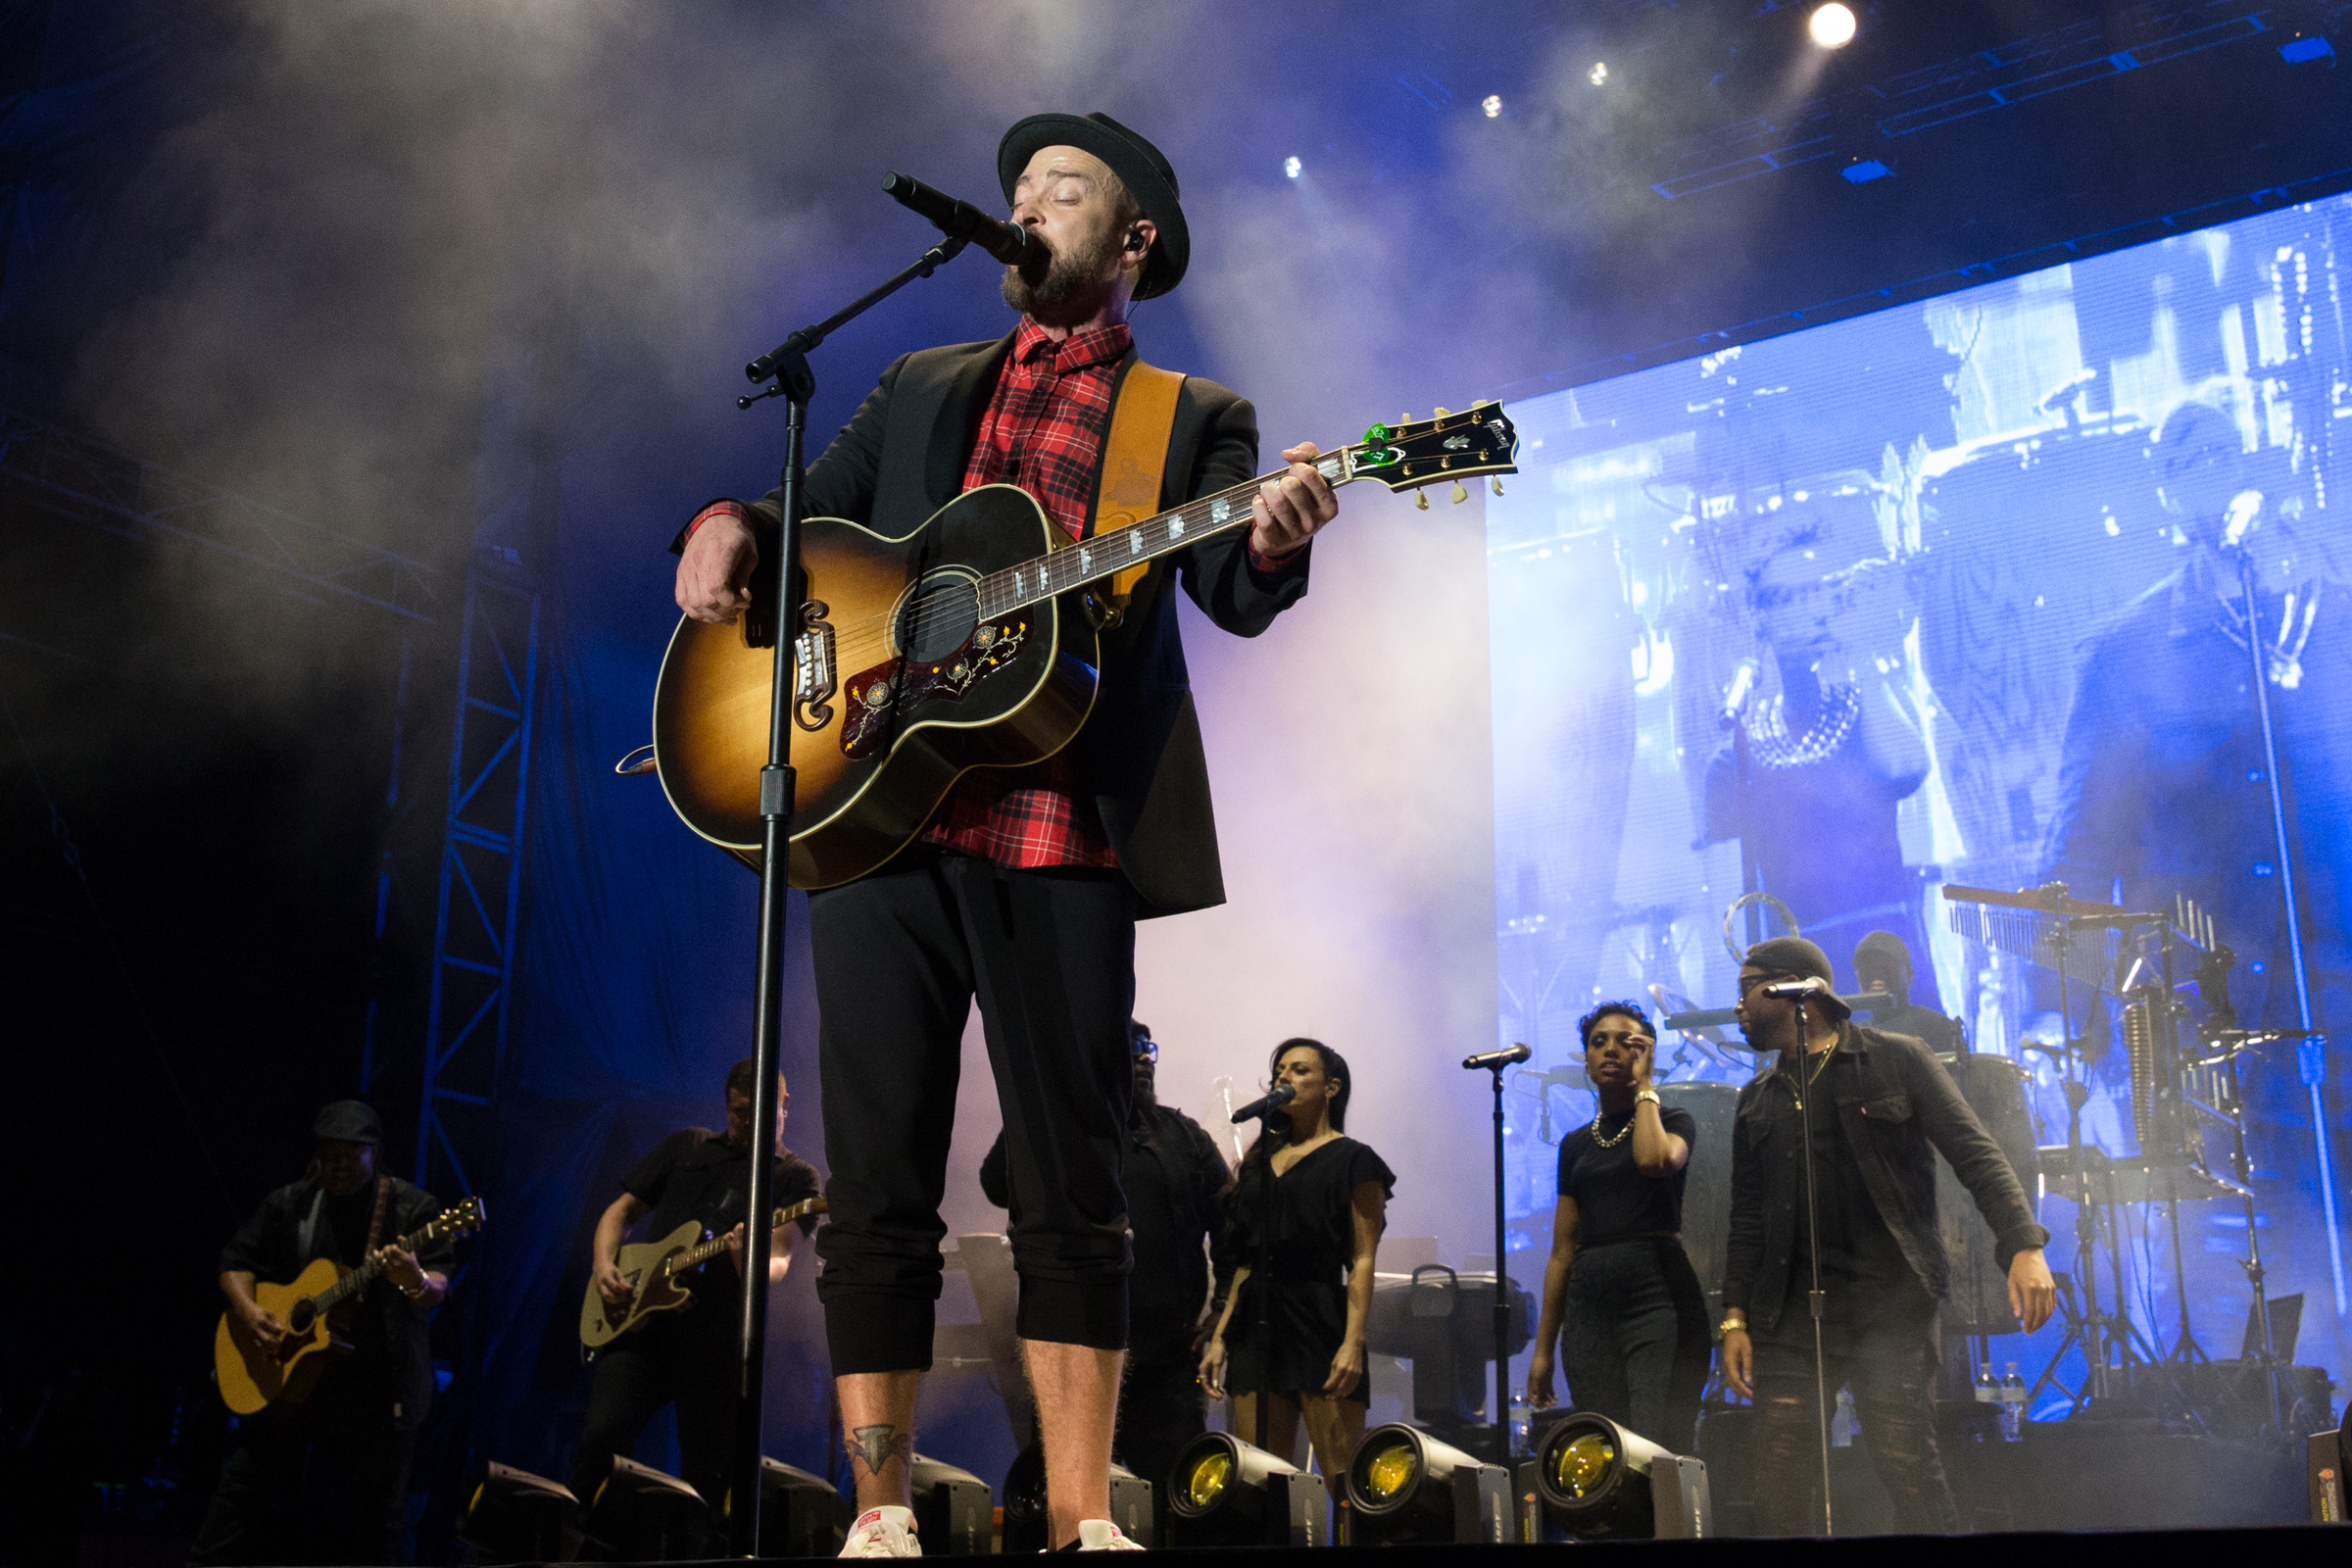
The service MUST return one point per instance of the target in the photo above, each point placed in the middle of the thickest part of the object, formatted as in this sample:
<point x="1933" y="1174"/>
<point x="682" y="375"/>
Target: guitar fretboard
<point x="1000" y="593"/>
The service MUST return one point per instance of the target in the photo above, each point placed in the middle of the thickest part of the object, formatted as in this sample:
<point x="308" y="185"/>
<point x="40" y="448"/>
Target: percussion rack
<point x="2143" y="961"/>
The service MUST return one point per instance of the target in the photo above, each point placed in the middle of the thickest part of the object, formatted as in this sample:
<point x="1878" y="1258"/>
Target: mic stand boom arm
<point x="795" y="384"/>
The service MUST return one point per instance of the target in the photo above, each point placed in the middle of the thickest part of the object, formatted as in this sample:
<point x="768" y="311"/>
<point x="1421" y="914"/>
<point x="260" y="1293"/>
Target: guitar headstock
<point x="1478" y="442"/>
<point x="464" y="1219"/>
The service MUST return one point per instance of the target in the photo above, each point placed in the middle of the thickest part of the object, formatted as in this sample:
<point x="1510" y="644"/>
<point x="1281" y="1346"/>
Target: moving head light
<point x="955" y="1513"/>
<point x="639" y="1514"/>
<point x="801" y="1515"/>
<point x="1595" y="1481"/>
<point x="1027" y="1529"/>
<point x="1407" y="1488"/>
<point x="1224" y="1493"/>
<point x="515" y="1516"/>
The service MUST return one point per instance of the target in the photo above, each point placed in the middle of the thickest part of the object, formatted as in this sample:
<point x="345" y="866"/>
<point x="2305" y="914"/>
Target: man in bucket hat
<point x="1024" y="888"/>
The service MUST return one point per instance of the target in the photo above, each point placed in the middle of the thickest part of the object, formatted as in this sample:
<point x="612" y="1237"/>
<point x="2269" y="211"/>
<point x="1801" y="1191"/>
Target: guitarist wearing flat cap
<point x="1023" y="886"/>
<point x="323" y="1476"/>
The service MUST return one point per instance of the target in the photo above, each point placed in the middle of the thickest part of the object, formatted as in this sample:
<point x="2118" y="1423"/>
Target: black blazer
<point x="902" y="457"/>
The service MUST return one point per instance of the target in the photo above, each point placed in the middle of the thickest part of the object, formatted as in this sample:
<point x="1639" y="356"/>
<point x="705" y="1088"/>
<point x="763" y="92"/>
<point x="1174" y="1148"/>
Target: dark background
<point x="470" y="284"/>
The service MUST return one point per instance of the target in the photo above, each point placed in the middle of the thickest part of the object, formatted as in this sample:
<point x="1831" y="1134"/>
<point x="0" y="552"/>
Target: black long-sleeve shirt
<point x="1896" y="1109"/>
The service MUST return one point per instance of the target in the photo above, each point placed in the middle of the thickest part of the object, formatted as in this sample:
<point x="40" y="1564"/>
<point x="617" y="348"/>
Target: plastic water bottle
<point x="1843" y="1424"/>
<point x="1988" y="1390"/>
<point x="2013" y="1406"/>
<point x="1522" y="1416"/>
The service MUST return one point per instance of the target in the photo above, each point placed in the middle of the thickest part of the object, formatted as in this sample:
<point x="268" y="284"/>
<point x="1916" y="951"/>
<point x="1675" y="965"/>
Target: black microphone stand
<point x="1815" y="1299"/>
<point x="1265" y="1282"/>
<point x="795" y="384"/>
<point x="1503" y="1304"/>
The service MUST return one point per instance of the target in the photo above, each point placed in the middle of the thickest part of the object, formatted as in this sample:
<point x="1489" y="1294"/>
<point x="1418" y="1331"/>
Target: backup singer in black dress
<point x="1620" y="1298"/>
<point x="1330" y="1204"/>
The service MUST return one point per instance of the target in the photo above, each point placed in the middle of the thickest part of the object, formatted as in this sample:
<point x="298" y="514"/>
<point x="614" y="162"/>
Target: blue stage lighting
<point x="1862" y="171"/>
<point x="1292" y="167"/>
<point x="2310" y="46"/>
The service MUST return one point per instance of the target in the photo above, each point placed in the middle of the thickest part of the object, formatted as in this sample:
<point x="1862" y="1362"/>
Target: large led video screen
<point x="1810" y="632"/>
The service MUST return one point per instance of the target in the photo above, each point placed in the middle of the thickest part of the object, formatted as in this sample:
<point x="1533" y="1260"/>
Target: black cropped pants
<point x="901" y="955"/>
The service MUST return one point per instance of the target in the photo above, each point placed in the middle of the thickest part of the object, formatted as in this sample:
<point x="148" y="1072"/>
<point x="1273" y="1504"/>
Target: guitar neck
<point x="695" y="1257"/>
<point x="359" y="1279"/>
<point x="1000" y="593"/>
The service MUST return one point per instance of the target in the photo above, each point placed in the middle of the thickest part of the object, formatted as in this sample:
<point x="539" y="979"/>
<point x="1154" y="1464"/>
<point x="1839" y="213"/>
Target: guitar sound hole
<point x="937" y="618"/>
<point x="300" y="1316"/>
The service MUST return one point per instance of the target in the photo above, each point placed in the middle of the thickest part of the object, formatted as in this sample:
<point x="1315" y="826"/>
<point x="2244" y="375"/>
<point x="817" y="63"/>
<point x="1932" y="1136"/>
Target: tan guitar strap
<point x="1135" y="458"/>
<point x="375" y="1221"/>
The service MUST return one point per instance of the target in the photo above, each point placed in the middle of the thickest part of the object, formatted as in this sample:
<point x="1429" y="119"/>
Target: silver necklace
<point x="1623" y="1131"/>
<point x="1771" y="746"/>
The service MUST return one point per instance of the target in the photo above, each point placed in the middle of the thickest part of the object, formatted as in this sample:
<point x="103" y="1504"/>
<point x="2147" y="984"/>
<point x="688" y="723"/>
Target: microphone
<point x="1497" y="1058"/>
<point x="1273" y="1100"/>
<point x="1743" y="683"/>
<point x="1007" y="242"/>
<point x="1813" y="989"/>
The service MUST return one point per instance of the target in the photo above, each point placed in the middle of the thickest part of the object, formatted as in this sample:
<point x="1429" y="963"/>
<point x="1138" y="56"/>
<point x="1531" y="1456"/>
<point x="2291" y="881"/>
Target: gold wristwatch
<point x="1651" y="1095"/>
<point x="1729" y="1324"/>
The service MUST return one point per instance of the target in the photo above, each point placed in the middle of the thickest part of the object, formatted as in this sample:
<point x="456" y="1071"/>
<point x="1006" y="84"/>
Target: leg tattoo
<point x="875" y="1447"/>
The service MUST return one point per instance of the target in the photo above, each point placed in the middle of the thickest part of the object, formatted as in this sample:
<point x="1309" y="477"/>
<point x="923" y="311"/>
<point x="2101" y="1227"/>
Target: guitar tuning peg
<point x="1420" y="501"/>
<point x="1441" y="413"/>
<point x="1482" y="403"/>
<point x="1496" y="482"/>
<point x="1404" y="418"/>
<point x="1460" y="495"/>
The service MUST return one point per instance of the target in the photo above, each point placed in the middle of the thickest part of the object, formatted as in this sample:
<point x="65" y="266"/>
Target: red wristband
<point x="730" y="509"/>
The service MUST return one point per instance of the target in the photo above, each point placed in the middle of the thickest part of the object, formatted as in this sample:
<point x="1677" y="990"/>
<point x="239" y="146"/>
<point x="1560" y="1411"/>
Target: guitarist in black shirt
<point x="688" y="1356"/>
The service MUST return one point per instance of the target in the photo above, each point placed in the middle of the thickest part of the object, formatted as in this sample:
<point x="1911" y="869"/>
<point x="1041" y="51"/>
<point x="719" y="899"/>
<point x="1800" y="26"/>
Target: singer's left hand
<point x="1347" y="1370"/>
<point x="2032" y="1293"/>
<point x="1289" y="510"/>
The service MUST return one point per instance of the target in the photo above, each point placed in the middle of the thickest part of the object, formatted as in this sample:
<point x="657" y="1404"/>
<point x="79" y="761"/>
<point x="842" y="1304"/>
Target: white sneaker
<point x="1101" y="1535"/>
<point x="885" y="1532"/>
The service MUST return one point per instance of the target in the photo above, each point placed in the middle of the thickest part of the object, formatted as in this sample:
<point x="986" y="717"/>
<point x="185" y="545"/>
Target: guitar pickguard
<point x="880" y="693"/>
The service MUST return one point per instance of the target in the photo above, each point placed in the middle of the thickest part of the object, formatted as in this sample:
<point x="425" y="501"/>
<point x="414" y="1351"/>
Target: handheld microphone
<point x="1273" y="1100"/>
<point x="1007" y="242"/>
<point x="1497" y="1058"/>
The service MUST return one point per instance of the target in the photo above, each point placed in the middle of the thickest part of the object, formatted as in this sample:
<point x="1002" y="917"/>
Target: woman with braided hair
<point x="1621" y="1300"/>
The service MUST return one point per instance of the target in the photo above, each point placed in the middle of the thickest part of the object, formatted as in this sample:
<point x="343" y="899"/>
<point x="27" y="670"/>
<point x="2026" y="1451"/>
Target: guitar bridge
<point x="813" y="680"/>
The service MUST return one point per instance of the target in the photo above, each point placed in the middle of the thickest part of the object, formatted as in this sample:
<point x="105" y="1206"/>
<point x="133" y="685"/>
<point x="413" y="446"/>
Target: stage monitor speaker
<point x="2323" y="1457"/>
<point x="955" y="1513"/>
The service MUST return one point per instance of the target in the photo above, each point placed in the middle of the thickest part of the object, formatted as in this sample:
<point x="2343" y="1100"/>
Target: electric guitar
<point x="653" y="1269"/>
<point x="252" y="1378"/>
<point x="964" y="644"/>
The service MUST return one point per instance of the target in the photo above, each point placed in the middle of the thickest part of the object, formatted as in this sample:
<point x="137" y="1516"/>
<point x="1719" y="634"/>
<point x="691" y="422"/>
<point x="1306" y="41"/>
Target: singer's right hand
<point x="1739" y="1362"/>
<point x="714" y="574"/>
<point x="1212" y="1367"/>
<point x="1539" y="1382"/>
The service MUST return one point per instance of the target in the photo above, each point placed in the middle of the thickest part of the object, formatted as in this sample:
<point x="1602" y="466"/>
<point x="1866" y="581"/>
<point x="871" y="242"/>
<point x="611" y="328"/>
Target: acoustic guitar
<point x="971" y="642"/>
<point x="251" y="1379"/>
<point x="653" y="1269"/>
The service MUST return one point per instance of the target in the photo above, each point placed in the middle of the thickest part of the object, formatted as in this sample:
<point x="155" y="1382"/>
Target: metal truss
<point x="2072" y="56"/>
<point x="480" y="897"/>
<point x="88" y="480"/>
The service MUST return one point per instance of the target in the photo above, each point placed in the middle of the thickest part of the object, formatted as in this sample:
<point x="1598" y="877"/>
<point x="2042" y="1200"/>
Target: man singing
<point x="1880" y="1109"/>
<point x="1025" y="887"/>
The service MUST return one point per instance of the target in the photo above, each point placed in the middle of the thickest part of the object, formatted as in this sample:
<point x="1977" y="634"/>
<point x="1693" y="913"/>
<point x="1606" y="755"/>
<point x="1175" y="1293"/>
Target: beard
<point x="1076" y="285"/>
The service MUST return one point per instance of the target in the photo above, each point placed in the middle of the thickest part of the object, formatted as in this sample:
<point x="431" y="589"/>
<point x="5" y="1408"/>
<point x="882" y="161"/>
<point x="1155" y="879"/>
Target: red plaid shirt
<point x="1042" y="430"/>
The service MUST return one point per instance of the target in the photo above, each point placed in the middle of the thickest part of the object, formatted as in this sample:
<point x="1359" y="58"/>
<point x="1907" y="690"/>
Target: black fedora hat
<point x="1141" y="168"/>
